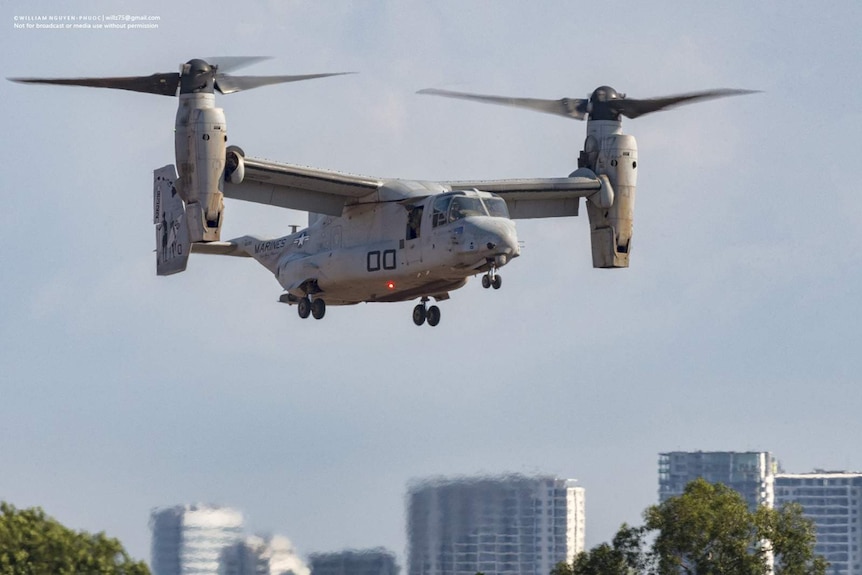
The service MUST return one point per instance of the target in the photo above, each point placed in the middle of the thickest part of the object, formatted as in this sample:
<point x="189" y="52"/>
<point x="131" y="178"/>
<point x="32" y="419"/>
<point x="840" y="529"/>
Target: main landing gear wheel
<point x="421" y="313"/>
<point x="497" y="281"/>
<point x="318" y="308"/>
<point x="433" y="315"/>
<point x="304" y="307"/>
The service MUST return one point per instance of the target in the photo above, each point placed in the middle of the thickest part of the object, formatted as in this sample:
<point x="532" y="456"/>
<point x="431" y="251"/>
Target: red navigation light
<point x="390" y="285"/>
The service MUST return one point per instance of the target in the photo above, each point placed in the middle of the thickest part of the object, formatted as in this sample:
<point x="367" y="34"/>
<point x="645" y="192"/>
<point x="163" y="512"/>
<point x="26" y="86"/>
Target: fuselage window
<point x="414" y="223"/>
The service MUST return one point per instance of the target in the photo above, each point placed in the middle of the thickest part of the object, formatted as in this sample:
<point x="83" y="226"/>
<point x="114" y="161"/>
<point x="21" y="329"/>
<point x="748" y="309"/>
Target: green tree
<point x="792" y="538"/>
<point x="32" y="543"/>
<point x="708" y="530"/>
<point x="622" y="557"/>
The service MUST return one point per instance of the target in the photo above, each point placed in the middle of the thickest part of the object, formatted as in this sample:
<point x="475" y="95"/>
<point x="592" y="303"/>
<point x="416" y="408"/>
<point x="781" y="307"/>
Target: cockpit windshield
<point x="464" y="206"/>
<point x="496" y="207"/>
<point x="455" y="207"/>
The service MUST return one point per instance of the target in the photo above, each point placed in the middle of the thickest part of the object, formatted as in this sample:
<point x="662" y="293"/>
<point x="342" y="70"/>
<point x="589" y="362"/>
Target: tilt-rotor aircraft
<point x="377" y="239"/>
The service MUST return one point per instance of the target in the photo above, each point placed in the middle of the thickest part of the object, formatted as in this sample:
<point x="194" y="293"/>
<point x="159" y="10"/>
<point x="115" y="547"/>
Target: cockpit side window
<point x="441" y="207"/>
<point x="497" y="207"/>
<point x="465" y="206"/>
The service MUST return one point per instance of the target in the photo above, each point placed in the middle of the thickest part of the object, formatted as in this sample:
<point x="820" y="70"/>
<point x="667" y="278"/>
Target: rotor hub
<point x="601" y="105"/>
<point x="197" y="76"/>
<point x="604" y="93"/>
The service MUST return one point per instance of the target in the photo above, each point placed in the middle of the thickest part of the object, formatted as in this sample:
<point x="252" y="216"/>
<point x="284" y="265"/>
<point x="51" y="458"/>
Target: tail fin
<point x="172" y="232"/>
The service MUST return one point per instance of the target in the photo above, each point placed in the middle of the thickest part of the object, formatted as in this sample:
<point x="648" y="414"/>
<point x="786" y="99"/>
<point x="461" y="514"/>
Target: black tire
<point x="318" y="308"/>
<point x="486" y="282"/>
<point x="498" y="281"/>
<point x="304" y="307"/>
<point x="419" y="314"/>
<point x="433" y="315"/>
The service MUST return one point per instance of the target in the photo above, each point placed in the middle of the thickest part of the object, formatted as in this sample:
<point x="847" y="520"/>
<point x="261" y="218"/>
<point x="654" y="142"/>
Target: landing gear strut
<point x="421" y="314"/>
<point x="306" y="307"/>
<point x="492" y="278"/>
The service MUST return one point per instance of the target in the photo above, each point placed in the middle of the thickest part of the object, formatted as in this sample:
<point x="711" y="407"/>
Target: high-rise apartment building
<point x="377" y="561"/>
<point x="512" y="525"/>
<point x="833" y="501"/>
<point x="193" y="539"/>
<point x="750" y="473"/>
<point x="262" y="555"/>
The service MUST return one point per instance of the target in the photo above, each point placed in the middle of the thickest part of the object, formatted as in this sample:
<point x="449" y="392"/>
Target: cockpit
<point x="456" y="206"/>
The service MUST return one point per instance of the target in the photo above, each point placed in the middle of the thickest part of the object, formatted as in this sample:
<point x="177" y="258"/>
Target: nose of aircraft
<point x="497" y="236"/>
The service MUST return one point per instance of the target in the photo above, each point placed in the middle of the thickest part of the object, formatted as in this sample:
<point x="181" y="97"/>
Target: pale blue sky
<point x="736" y="327"/>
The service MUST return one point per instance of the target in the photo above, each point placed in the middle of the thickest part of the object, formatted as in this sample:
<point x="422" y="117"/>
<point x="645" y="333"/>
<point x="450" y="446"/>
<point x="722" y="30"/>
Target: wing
<point x="320" y="191"/>
<point x="328" y="192"/>
<point x="539" y="197"/>
<point x="300" y="187"/>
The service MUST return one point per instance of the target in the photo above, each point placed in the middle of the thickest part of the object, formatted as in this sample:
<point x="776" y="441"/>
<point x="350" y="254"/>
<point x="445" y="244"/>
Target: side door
<point x="416" y="227"/>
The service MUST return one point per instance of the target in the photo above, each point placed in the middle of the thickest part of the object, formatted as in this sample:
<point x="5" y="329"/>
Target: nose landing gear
<point x="421" y="314"/>
<point x="492" y="278"/>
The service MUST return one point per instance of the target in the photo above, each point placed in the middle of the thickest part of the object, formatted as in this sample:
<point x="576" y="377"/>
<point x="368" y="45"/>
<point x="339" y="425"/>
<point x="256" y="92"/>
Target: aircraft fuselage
<point x="392" y="251"/>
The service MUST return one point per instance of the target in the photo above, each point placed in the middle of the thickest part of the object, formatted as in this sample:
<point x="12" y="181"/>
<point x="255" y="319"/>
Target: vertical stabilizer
<point x="172" y="233"/>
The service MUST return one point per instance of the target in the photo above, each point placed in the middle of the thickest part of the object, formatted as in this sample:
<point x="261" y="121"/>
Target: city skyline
<point x="201" y="539"/>
<point x="776" y="487"/>
<point x="735" y="324"/>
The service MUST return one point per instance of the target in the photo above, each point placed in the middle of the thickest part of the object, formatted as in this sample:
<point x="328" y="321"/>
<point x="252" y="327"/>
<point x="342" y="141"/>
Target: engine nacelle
<point x="201" y="136"/>
<point x="611" y="227"/>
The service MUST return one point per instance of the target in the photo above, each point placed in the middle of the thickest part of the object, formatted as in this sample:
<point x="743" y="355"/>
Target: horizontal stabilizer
<point x="220" y="249"/>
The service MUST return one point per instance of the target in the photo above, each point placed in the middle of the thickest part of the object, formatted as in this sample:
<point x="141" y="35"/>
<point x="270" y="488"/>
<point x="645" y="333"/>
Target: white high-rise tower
<point x="513" y="525"/>
<point x="832" y="500"/>
<point x="193" y="539"/>
<point x="749" y="473"/>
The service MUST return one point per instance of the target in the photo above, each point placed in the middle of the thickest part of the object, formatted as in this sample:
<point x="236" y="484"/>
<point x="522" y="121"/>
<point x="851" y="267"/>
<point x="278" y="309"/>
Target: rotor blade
<point x="569" y="108"/>
<point x="164" y="84"/>
<point x="632" y="108"/>
<point x="230" y="84"/>
<point x="230" y="63"/>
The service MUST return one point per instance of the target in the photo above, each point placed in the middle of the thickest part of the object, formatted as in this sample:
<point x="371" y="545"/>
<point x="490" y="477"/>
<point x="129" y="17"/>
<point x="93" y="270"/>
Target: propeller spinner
<point x="195" y="76"/>
<point x="604" y="103"/>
